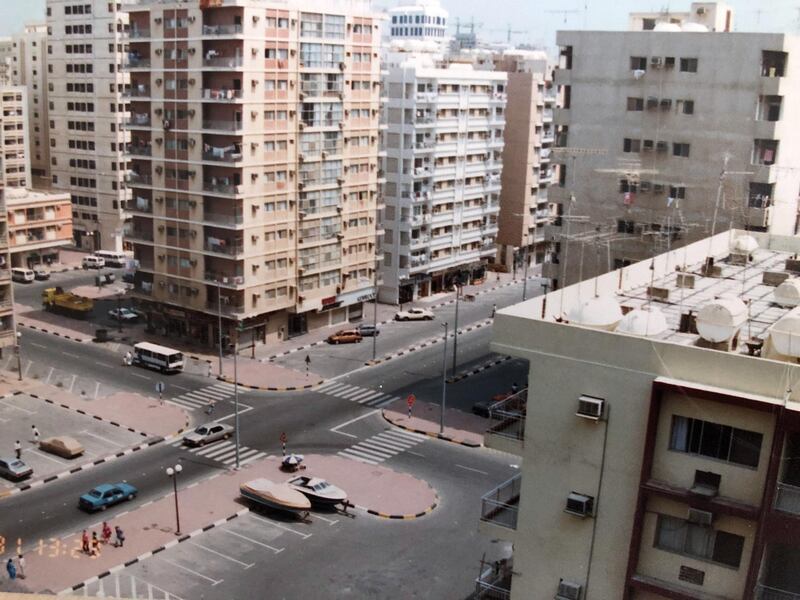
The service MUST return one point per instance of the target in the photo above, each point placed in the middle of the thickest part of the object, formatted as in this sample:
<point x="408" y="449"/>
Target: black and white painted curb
<point x="56" y="333"/>
<point x="480" y="369"/>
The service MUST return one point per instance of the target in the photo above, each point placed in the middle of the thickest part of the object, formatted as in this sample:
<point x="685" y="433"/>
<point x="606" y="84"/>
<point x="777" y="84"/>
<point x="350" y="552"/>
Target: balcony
<point x="222" y="94"/>
<point x="787" y="498"/>
<point x="137" y="91"/>
<point x="135" y="179"/>
<point x="137" y="120"/>
<point x="226" y="308"/>
<point x="500" y="508"/>
<point x="764" y="592"/>
<point x="507" y="429"/>
<point x="140" y="235"/>
<point x="223" y="279"/>
<point x="139" y="34"/>
<point x="221" y="187"/>
<point x="216" y="125"/>
<point x="226" y="155"/>
<point x="494" y="582"/>
<point x="223" y="62"/>
<point x="136" y="150"/>
<point x="221" y="30"/>
<point x="138" y="62"/>
<point x="226" y="247"/>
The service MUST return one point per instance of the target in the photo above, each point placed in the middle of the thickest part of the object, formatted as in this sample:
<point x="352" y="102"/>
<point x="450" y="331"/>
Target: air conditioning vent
<point x="700" y="517"/>
<point x="590" y="407"/>
<point x="579" y="505"/>
<point x="656" y="62"/>
<point x="568" y="590"/>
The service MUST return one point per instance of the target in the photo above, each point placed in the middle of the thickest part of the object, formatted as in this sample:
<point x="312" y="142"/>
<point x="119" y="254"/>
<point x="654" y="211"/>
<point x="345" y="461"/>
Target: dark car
<point x="368" y="330"/>
<point x="482" y="407"/>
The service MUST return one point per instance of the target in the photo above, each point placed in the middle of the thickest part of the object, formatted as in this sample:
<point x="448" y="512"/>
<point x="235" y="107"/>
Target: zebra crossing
<point x="223" y="451"/>
<point x="198" y="399"/>
<point x="354" y="393"/>
<point x="382" y="446"/>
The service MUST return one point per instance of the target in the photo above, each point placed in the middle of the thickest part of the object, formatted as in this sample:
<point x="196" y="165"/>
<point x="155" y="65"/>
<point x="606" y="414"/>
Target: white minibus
<point x="158" y="357"/>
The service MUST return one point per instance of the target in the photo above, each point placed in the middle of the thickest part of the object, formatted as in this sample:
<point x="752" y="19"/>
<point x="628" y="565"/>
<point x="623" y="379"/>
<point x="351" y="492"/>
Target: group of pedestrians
<point x="91" y="546"/>
<point x="35" y="435"/>
<point x="16" y="569"/>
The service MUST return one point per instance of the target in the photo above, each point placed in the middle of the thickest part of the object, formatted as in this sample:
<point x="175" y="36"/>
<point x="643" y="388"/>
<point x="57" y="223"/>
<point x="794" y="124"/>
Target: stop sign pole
<point x="410" y="401"/>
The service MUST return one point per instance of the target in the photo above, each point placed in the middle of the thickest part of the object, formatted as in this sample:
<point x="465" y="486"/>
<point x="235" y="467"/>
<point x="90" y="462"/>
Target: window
<point x="713" y="440"/>
<point x="690" y="539"/>
<point x="685" y="107"/>
<point x="689" y="65"/>
<point x="680" y="150"/>
<point x="677" y="192"/>
<point x="635" y="104"/>
<point x="638" y="63"/>
<point x="631" y="145"/>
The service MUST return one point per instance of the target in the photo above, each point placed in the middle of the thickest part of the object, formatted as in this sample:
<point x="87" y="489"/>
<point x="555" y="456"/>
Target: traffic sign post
<point x="160" y="387"/>
<point x="410" y="401"/>
<point x="283" y="442"/>
<point x="308" y="363"/>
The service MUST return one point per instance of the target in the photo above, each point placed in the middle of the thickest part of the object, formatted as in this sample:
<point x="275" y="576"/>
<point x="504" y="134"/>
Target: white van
<point x="22" y="275"/>
<point x="113" y="259"/>
<point x="158" y="357"/>
<point x="93" y="262"/>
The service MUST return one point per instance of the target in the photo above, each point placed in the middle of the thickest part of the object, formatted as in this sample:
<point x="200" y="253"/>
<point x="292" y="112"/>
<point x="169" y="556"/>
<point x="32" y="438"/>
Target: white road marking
<point x="38" y="345"/>
<point x="328" y="521"/>
<point x="50" y="458"/>
<point x="471" y="469"/>
<point x="253" y="458"/>
<point x="351" y="421"/>
<point x="49" y="375"/>
<point x="72" y="383"/>
<point x="148" y="379"/>
<point x="232" y="415"/>
<point x="188" y="570"/>
<point x="180" y="387"/>
<point x="30" y="412"/>
<point x="225" y="556"/>
<point x="100" y="437"/>
<point x="305" y="536"/>
<point x="71" y="354"/>
<point x="244" y="537"/>
<point x="358" y="458"/>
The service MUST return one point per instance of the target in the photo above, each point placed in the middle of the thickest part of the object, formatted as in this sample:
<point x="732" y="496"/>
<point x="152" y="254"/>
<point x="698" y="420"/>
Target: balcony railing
<point x="222" y="219"/>
<point x="222" y="155"/>
<point x="764" y="592"/>
<point x="138" y="62"/>
<point x="501" y="505"/>
<point x="223" y="278"/>
<point x="221" y="246"/>
<point x="140" y="150"/>
<point x="135" y="34"/>
<point x="138" y="91"/>
<point x="494" y="582"/>
<point x="220" y="187"/>
<point x="226" y="308"/>
<point x="221" y="29"/>
<point x="223" y="61"/>
<point x="231" y="125"/>
<point x="137" y="179"/>
<point x="508" y="416"/>
<point x="787" y="498"/>
<point x="222" y="94"/>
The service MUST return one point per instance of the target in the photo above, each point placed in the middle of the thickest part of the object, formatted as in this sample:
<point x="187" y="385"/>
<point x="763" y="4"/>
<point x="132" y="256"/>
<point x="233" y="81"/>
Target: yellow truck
<point x="56" y="300"/>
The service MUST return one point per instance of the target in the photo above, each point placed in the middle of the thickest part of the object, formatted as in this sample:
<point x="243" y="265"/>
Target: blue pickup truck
<point x="105" y="495"/>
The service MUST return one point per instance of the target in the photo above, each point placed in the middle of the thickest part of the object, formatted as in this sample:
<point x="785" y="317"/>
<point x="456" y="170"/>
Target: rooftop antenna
<point x="720" y="200"/>
<point x="564" y="13"/>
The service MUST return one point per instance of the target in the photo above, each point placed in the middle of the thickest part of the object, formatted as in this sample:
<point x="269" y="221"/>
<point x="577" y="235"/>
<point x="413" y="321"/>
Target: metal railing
<point x="221" y="29"/>
<point x="494" y="581"/>
<point x="223" y="61"/>
<point x="787" y="498"/>
<point x="225" y="156"/>
<point x="222" y="94"/>
<point x="229" y="248"/>
<point x="220" y="188"/>
<point x="139" y="33"/>
<point x="507" y="417"/>
<point x="223" y="278"/>
<point x="137" y="63"/>
<point x="137" y="92"/>
<point x="764" y="592"/>
<point x="140" y="150"/>
<point x="218" y="125"/>
<point x="501" y="505"/>
<point x="221" y="218"/>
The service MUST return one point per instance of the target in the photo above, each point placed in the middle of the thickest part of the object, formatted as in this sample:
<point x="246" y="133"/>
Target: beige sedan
<point x="63" y="446"/>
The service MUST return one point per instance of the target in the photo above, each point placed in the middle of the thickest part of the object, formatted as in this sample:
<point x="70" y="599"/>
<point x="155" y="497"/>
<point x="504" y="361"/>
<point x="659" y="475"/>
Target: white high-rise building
<point x="85" y="81"/>
<point x="443" y="162"/>
<point x="420" y="20"/>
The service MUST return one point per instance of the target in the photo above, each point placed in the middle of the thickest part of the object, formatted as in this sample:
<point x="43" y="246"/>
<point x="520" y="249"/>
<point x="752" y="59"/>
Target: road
<point x="436" y="557"/>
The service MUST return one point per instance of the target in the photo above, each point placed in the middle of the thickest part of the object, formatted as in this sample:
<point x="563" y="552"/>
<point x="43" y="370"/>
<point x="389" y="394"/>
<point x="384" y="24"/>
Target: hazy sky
<point x="533" y="16"/>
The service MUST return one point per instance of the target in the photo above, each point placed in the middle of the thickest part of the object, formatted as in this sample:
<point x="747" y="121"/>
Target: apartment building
<point x="6" y="58"/>
<point x="525" y="210"/>
<point x="14" y="162"/>
<point x="85" y="81"/>
<point x="444" y="146"/>
<point x="659" y="436"/>
<point x="254" y="151"/>
<point x="650" y="118"/>
<point x="39" y="223"/>
<point x="8" y="329"/>
<point x="424" y="20"/>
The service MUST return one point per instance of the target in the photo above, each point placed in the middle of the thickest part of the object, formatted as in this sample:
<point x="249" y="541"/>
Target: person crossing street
<point x="35" y="433"/>
<point x="18" y="449"/>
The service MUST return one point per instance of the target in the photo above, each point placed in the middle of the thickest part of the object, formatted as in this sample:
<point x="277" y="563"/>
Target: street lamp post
<point x="236" y="397"/>
<point x="525" y="276"/>
<point x="18" y="351"/>
<point x="444" y="380"/>
<point x="455" y="329"/>
<point x="375" y="319"/>
<point x="219" y="324"/>
<point x="119" y="312"/>
<point x="172" y="472"/>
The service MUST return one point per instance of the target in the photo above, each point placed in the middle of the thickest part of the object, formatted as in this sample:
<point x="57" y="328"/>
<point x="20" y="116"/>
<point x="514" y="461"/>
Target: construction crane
<point x="509" y="32"/>
<point x="471" y="25"/>
<point x="565" y="13"/>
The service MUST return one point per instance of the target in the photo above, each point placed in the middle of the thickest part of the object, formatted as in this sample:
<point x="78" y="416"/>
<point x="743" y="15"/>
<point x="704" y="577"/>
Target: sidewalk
<point x="267" y="376"/>
<point x="209" y="503"/>
<point x="460" y="427"/>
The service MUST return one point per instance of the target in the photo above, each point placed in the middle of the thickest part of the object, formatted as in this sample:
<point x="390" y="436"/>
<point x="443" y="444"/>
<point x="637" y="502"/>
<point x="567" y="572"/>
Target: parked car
<point x="414" y="314"/>
<point x="210" y="432"/>
<point x="14" y="469"/>
<point x="345" y="336"/>
<point x="123" y="314"/>
<point x="368" y="330"/>
<point x="93" y="262"/>
<point x="105" y="495"/>
<point x="63" y="446"/>
<point x="41" y="274"/>
<point x="22" y="275"/>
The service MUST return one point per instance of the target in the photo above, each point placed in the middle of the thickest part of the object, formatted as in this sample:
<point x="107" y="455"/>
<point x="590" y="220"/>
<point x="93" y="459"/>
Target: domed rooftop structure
<point x="721" y="319"/>
<point x="744" y="244"/>
<point x="662" y="27"/>
<point x="785" y="334"/>
<point x="643" y="321"/>
<point x="601" y="312"/>
<point x="787" y="293"/>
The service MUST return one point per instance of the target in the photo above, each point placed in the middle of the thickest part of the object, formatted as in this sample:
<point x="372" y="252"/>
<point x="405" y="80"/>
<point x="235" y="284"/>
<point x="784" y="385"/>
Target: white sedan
<point x="414" y="314"/>
<point x="122" y="314"/>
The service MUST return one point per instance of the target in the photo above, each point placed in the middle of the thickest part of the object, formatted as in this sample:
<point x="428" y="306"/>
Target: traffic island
<point x="460" y="427"/>
<point x="268" y="377"/>
<point x="59" y="565"/>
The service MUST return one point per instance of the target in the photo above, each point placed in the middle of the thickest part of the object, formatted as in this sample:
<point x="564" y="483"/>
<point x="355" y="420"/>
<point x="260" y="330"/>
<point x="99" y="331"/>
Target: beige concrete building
<point x="525" y="210"/>
<point x="660" y="434"/>
<point x="254" y="151"/>
<point x="85" y="82"/>
<point x="15" y="168"/>
<point x="39" y="223"/>
<point x="6" y="59"/>
<point x="648" y="120"/>
<point x="443" y="162"/>
<point x="8" y="328"/>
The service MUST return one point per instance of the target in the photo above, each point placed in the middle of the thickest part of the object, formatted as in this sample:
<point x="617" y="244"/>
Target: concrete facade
<point x="253" y="164"/>
<point x="15" y="167"/>
<point x="8" y="326"/>
<point x="39" y="223"/>
<point x="649" y="119"/>
<point x="443" y="164"/>
<point x="85" y="81"/>
<point x="689" y="468"/>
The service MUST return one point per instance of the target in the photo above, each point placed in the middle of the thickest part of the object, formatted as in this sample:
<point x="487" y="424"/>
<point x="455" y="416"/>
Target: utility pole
<point x="455" y="330"/>
<point x="525" y="276"/>
<point x="219" y="324"/>
<point x="375" y="318"/>
<point x="236" y="393"/>
<point x="444" y="380"/>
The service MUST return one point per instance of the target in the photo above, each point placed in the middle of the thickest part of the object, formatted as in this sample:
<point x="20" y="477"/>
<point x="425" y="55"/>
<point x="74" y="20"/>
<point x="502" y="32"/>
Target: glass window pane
<point x="746" y="447"/>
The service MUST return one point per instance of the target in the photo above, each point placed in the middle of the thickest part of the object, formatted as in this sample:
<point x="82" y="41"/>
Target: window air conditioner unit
<point x="579" y="505"/>
<point x="158" y="20"/>
<point x="700" y="517"/>
<point x="568" y="590"/>
<point x="647" y="145"/>
<point x="652" y="102"/>
<point x="662" y="146"/>
<point x="656" y="62"/>
<point x="590" y="407"/>
<point x="666" y="104"/>
<point x="658" y="188"/>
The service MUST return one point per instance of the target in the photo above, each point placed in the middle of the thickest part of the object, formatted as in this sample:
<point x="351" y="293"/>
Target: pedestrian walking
<point x="11" y="569"/>
<point x="85" y="542"/>
<point x="95" y="544"/>
<point x="106" y="532"/>
<point x="209" y="407"/>
<point x="120" y="537"/>
<point x="35" y="433"/>
<point x="127" y="359"/>
<point x="18" y="449"/>
<point x="21" y="566"/>
<point x="494" y="309"/>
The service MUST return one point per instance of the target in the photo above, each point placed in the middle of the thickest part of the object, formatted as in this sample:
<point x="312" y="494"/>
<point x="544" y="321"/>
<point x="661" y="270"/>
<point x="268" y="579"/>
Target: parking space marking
<point x="251" y="540"/>
<point x="305" y="536"/>
<point x="30" y="412"/>
<point x="328" y="521"/>
<point x="49" y="375"/>
<point x="188" y="570"/>
<point x="225" y="556"/>
<point x="101" y="438"/>
<point x="50" y="458"/>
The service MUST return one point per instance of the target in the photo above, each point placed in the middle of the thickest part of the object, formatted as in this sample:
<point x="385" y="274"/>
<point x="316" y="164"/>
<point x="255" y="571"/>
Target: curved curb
<point x="477" y="370"/>
<point x="56" y="333"/>
<point x="292" y="388"/>
<point x="438" y="436"/>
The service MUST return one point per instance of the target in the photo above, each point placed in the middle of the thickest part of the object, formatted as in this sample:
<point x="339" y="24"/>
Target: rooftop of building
<point x="23" y="196"/>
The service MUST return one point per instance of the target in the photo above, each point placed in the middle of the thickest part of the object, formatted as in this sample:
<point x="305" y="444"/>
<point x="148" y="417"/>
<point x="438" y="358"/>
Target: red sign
<point x="283" y="438"/>
<point x="410" y="400"/>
